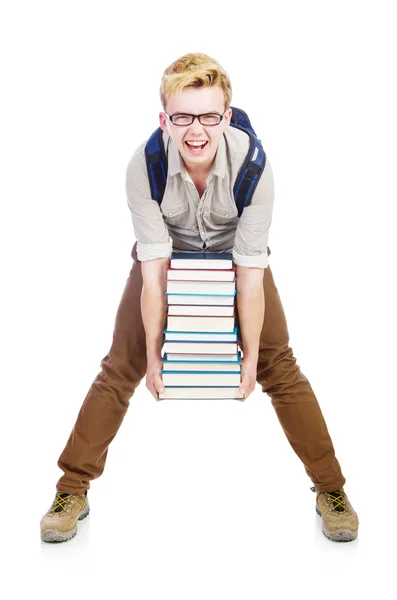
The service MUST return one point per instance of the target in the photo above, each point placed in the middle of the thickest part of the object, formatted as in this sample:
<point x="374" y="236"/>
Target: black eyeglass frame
<point x="195" y="117"/>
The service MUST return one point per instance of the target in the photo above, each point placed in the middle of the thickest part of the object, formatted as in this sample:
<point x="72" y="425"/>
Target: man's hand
<point x="248" y="377"/>
<point x="154" y="381"/>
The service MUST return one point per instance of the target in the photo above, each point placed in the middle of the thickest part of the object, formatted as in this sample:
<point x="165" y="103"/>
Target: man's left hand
<point x="248" y="377"/>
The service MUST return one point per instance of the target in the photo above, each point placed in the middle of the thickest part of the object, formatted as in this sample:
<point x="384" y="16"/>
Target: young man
<point x="198" y="212"/>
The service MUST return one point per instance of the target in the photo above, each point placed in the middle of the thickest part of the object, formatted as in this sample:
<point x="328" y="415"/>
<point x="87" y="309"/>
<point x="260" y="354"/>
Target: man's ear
<point x="227" y="117"/>
<point x="164" y="123"/>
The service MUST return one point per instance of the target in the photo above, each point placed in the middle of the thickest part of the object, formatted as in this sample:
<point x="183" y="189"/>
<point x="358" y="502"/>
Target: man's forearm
<point x="154" y="314"/>
<point x="251" y="309"/>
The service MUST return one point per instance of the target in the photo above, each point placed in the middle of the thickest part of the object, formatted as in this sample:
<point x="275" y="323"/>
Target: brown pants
<point x="107" y="401"/>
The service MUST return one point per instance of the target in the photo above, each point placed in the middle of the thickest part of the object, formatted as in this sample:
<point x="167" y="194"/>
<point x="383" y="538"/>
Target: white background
<point x="198" y="499"/>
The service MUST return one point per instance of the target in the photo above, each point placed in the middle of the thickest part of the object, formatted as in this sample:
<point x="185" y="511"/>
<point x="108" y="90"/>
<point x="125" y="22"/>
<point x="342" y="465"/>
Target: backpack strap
<point x="157" y="164"/>
<point x="247" y="178"/>
<point x="253" y="165"/>
<point x="240" y="119"/>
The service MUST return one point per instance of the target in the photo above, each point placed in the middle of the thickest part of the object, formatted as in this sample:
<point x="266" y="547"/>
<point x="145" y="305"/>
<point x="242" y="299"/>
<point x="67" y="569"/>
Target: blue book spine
<point x="196" y="372"/>
<point x="186" y="294"/>
<point x="234" y="332"/>
<point x="229" y="362"/>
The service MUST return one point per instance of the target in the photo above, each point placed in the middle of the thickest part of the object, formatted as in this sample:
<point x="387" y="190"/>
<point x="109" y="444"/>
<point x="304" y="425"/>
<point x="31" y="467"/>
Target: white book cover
<point x="201" y="260"/>
<point x="200" y="323"/>
<point x="200" y="379"/>
<point x="187" y="309"/>
<point x="200" y="300"/>
<point x="173" y="365"/>
<point x="201" y="287"/>
<point x="194" y="336"/>
<point x="200" y="275"/>
<point x="205" y="393"/>
<point x="175" y="356"/>
<point x="201" y="347"/>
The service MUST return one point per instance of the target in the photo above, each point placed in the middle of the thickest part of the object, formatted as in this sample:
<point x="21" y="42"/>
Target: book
<point x="201" y="355"/>
<point x="180" y="310"/>
<point x="200" y="300"/>
<point x="202" y="287"/>
<point x="205" y="378"/>
<point x="205" y="393"/>
<point x="200" y="347"/>
<point x="201" y="260"/>
<point x="200" y="358"/>
<point x="203" y="365"/>
<point x="200" y="323"/>
<point x="201" y="336"/>
<point x="200" y="275"/>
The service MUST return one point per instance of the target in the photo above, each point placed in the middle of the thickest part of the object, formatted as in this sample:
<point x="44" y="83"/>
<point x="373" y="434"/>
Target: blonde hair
<point x="194" y="70"/>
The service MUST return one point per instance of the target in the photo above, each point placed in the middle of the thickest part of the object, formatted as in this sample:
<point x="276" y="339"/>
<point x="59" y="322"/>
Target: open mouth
<point x="196" y="147"/>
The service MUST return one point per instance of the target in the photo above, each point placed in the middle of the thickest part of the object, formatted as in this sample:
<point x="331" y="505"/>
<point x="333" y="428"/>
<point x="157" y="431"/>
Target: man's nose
<point x="196" y="126"/>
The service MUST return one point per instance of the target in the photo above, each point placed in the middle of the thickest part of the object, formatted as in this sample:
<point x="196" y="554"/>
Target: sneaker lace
<point x="60" y="502"/>
<point x="337" y="499"/>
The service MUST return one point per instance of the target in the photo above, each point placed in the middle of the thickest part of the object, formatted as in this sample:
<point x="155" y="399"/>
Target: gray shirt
<point x="184" y="222"/>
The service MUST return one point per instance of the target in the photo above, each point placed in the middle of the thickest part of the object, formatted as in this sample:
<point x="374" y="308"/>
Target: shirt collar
<point x="175" y="163"/>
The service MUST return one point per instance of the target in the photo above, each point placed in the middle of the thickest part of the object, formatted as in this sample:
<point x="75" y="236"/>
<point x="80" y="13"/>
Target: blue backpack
<point x="248" y="176"/>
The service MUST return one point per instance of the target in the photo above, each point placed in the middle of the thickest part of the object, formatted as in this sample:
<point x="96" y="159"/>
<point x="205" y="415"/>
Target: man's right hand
<point x="154" y="381"/>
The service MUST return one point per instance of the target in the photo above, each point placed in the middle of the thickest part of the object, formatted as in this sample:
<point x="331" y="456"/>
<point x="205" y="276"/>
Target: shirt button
<point x="226" y="215"/>
<point x="170" y="214"/>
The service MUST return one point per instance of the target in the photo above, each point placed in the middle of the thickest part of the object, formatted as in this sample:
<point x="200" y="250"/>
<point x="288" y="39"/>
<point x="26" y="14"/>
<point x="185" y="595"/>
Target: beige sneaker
<point x="339" y="519"/>
<point x="59" y="524"/>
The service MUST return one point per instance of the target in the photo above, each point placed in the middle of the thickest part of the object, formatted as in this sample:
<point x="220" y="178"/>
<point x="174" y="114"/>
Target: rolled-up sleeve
<point x="151" y="232"/>
<point x="252" y="233"/>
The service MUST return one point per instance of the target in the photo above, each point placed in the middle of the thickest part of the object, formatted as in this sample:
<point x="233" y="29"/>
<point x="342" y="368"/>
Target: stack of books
<point x="201" y="357"/>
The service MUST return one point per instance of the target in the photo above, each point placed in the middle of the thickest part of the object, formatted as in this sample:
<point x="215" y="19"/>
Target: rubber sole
<point x="342" y="535"/>
<point x="54" y="536"/>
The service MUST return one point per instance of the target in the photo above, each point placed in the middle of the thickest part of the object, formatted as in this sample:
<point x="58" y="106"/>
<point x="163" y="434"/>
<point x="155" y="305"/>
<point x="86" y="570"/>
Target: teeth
<point x="196" y="143"/>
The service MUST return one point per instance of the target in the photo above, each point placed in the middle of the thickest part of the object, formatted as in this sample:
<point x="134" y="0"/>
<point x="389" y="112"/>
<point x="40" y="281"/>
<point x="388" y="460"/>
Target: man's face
<point x="196" y="143"/>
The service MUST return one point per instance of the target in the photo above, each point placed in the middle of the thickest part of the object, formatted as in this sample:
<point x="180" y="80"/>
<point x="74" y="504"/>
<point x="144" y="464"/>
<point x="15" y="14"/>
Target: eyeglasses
<point x="183" y="119"/>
